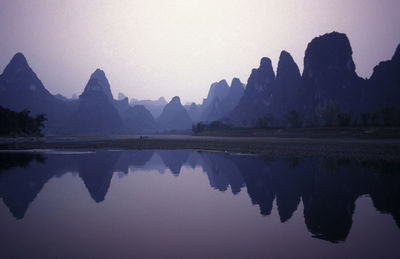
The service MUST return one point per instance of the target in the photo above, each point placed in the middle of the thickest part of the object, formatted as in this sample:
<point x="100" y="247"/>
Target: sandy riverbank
<point x="345" y="148"/>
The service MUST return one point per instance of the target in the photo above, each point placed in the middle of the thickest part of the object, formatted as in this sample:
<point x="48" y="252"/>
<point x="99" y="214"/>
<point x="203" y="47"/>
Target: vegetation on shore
<point x="20" y="123"/>
<point x="329" y="116"/>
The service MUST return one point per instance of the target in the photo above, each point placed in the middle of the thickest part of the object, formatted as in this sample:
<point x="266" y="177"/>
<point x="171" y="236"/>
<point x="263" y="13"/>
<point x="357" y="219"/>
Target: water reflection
<point x="327" y="189"/>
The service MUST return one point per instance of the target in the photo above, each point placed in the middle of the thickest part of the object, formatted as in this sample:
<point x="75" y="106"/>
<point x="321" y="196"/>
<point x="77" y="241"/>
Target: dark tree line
<point x="214" y="125"/>
<point x="330" y="115"/>
<point x="20" y="123"/>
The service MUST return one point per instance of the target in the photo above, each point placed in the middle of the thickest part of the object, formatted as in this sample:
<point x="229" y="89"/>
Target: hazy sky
<point x="155" y="48"/>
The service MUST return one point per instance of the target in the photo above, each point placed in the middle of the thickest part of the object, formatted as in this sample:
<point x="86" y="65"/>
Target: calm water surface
<point x="189" y="204"/>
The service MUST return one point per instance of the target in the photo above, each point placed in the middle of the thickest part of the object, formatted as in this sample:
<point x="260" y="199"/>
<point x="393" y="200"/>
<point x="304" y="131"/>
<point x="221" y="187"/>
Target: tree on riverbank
<point x="20" y="123"/>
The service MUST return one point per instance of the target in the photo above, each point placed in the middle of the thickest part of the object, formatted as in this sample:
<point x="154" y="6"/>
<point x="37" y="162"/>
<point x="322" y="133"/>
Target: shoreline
<point x="344" y="148"/>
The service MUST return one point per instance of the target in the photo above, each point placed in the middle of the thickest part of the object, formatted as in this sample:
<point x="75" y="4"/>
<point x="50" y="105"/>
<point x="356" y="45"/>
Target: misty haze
<point x="200" y="129"/>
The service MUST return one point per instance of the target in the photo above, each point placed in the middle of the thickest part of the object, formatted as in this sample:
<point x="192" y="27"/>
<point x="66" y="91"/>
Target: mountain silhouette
<point x="329" y="75"/>
<point x="139" y="120"/>
<point x="194" y="112"/>
<point x="288" y="87"/>
<point x="329" y="79"/>
<point x="155" y="107"/>
<point x="256" y="100"/>
<point x="384" y="84"/>
<point x="222" y="99"/>
<point x="96" y="112"/>
<point x="174" y="116"/>
<point x="217" y="90"/>
<point x="20" y="88"/>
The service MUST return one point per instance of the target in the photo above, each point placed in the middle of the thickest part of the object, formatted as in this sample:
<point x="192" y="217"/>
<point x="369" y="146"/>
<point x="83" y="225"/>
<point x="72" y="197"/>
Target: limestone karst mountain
<point x="384" y="84"/>
<point x="96" y="111"/>
<point x="222" y="99"/>
<point x="20" y="88"/>
<point x="98" y="82"/>
<point x="329" y="77"/>
<point x="217" y="90"/>
<point x="138" y="119"/>
<point x="174" y="116"/>
<point x="288" y="86"/>
<point x="194" y="112"/>
<point x="256" y="100"/>
<point x="154" y="106"/>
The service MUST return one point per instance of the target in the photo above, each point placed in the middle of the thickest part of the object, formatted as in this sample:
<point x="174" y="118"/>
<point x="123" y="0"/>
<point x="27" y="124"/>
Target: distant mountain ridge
<point x="174" y="116"/>
<point x="329" y="79"/>
<point x="139" y="119"/>
<point x="221" y="99"/>
<point x="154" y="106"/>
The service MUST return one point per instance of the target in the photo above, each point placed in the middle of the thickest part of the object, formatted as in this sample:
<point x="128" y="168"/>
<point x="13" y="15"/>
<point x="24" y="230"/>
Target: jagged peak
<point x="220" y="89"/>
<point x="223" y="83"/>
<point x="98" y="82"/>
<point x="176" y="100"/>
<point x="19" y="58"/>
<point x="327" y="51"/>
<point x="336" y="38"/>
<point x="287" y="66"/>
<point x="285" y="56"/>
<point x="237" y="84"/>
<point x="17" y="63"/>
<point x="265" y="62"/>
<point x="162" y="99"/>
<point x="235" y="80"/>
<point x="266" y="69"/>
<point x="99" y="74"/>
<point x="19" y="74"/>
<point x="333" y="34"/>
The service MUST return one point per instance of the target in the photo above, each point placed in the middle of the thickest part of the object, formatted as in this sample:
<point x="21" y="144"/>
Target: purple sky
<point x="154" y="48"/>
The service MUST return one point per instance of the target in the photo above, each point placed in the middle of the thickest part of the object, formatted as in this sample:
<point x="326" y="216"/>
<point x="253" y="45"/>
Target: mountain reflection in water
<point x="328" y="189"/>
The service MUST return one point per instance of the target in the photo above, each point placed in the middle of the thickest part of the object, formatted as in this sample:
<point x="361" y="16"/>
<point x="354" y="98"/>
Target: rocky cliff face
<point x="288" y="86"/>
<point x="256" y="100"/>
<point x="329" y="75"/>
<point x="174" y="116"/>
<point x="384" y="84"/>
